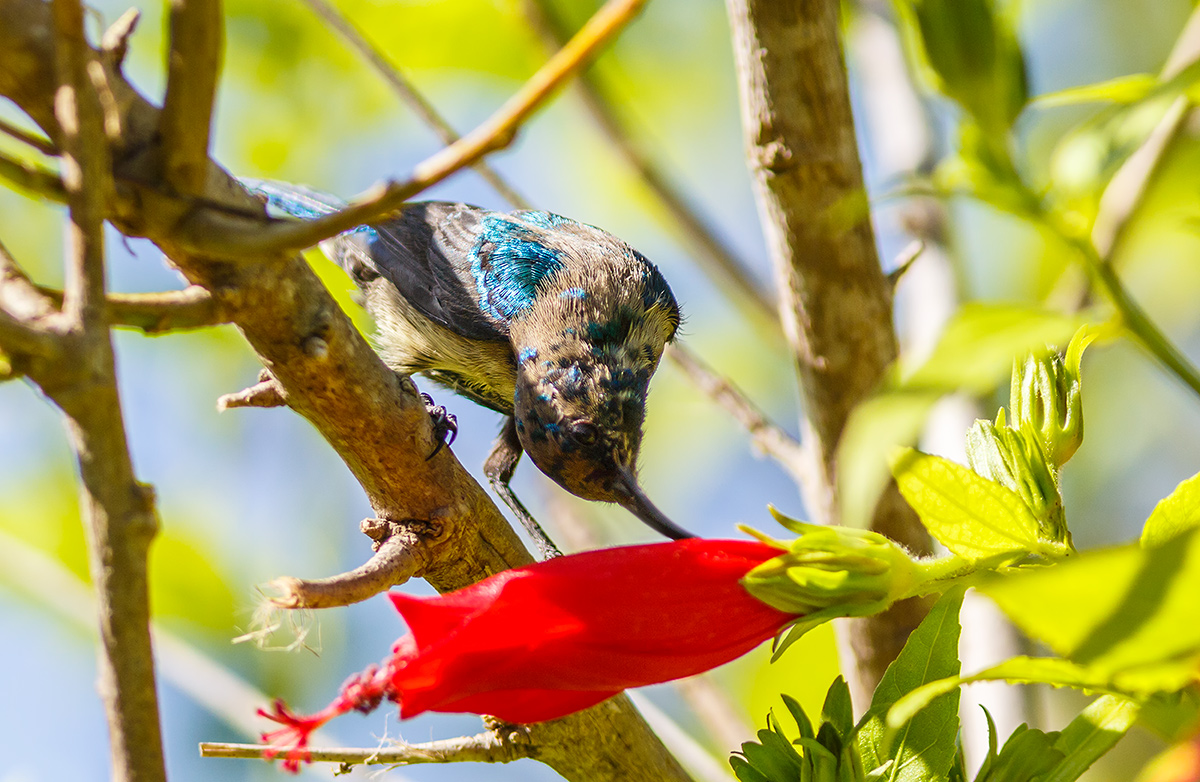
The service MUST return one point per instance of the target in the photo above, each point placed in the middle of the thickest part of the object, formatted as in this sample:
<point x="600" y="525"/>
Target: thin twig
<point x="193" y="62"/>
<point x="496" y="132"/>
<point x="115" y="41"/>
<point x="392" y="74"/>
<point x="715" y="257"/>
<point x="22" y="300"/>
<point x="40" y="143"/>
<point x="27" y="176"/>
<point x="769" y="437"/>
<point x="481" y="748"/>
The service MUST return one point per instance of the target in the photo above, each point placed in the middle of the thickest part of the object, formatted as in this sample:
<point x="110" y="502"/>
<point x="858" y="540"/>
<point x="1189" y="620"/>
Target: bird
<point x="553" y="323"/>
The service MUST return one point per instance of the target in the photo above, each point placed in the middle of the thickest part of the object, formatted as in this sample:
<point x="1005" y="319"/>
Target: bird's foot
<point x="445" y="425"/>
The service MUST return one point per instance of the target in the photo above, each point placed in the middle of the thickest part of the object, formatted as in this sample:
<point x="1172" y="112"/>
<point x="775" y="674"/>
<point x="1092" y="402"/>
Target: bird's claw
<point x="445" y="425"/>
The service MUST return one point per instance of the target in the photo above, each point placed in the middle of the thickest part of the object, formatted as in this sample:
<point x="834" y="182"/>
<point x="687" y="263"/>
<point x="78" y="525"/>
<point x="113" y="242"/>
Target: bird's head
<point x="581" y="424"/>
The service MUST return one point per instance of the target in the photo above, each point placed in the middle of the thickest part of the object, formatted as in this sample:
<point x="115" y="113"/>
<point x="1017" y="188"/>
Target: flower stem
<point x="1139" y="324"/>
<point x="939" y="574"/>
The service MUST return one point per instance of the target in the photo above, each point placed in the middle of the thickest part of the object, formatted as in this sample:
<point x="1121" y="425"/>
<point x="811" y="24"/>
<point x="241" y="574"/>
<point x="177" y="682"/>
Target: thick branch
<point x="118" y="511"/>
<point x="497" y="132"/>
<point x="836" y="302"/>
<point x="374" y="421"/>
<point x="193" y="64"/>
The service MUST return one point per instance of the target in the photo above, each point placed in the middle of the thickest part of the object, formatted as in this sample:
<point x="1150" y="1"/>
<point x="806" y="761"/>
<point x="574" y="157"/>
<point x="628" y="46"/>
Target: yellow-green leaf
<point x="975" y="518"/>
<point x="1177" y="513"/>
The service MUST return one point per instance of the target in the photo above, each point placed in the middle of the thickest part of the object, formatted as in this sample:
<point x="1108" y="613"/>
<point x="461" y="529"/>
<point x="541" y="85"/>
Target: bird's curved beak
<point x="633" y="499"/>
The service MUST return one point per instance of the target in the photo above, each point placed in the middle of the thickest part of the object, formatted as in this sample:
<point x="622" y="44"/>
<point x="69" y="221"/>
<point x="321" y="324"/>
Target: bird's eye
<point x="584" y="432"/>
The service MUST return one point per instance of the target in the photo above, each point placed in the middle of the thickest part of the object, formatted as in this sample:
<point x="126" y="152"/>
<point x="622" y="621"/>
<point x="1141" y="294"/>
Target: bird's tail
<point x="288" y="200"/>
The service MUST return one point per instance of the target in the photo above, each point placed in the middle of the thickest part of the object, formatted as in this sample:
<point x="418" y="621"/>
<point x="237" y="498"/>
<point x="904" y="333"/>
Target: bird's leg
<point x="499" y="467"/>
<point x="445" y="425"/>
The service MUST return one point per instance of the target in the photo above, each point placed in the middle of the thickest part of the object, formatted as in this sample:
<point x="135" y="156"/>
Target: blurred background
<point x="249" y="495"/>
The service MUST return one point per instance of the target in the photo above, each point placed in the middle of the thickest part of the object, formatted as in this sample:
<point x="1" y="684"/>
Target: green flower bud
<point x="835" y="570"/>
<point x="1016" y="460"/>
<point x="1045" y="398"/>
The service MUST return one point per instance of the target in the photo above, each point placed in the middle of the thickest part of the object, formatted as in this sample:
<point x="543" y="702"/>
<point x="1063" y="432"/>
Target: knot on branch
<point x="267" y="392"/>
<point x="773" y="154"/>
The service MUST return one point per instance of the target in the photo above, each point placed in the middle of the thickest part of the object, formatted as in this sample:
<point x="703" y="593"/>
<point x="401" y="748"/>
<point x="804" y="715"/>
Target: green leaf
<point x="1094" y="732"/>
<point x="1172" y="716"/>
<point x="922" y="750"/>
<point x="744" y="771"/>
<point x="1128" y="615"/>
<point x="1123" y="89"/>
<point x="773" y="762"/>
<point x="1017" y="670"/>
<point x="837" y="709"/>
<point x="975" y="518"/>
<point x="975" y="55"/>
<point x="1177" y="513"/>
<point x="797" y="712"/>
<point x="1026" y="754"/>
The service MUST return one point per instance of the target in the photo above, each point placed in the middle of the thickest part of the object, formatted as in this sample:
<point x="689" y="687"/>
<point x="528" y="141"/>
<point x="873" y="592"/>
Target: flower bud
<point x="1016" y="460"/>
<point x="1045" y="397"/>
<point x="838" y="570"/>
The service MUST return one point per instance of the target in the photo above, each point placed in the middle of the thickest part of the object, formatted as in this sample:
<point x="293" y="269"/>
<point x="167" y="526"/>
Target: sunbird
<point x="553" y="323"/>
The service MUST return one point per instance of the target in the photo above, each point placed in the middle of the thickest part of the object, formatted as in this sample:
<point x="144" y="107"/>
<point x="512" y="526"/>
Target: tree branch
<point x="24" y="175"/>
<point x="193" y="65"/>
<point x="119" y="513"/>
<point x="158" y="313"/>
<point x="496" y="132"/>
<point x="489" y="747"/>
<point x="391" y="73"/>
<point x="400" y="554"/>
<point x="43" y="145"/>
<point x="713" y="255"/>
<point x="20" y="338"/>
<point x="837" y="303"/>
<point x="265" y="393"/>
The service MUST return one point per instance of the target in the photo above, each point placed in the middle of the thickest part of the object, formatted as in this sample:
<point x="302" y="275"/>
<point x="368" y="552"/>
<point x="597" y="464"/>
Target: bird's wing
<point x="427" y="252"/>
<point x="465" y="268"/>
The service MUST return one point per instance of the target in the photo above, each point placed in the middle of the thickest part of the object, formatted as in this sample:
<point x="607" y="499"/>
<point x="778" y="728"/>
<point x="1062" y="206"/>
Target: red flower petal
<point x="542" y="641"/>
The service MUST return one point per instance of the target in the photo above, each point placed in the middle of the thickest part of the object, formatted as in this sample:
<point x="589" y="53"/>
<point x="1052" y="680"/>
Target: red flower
<point x="546" y="640"/>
